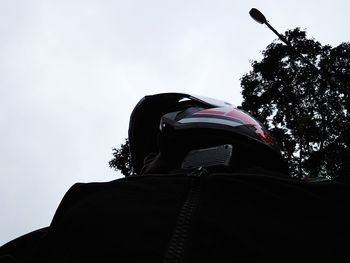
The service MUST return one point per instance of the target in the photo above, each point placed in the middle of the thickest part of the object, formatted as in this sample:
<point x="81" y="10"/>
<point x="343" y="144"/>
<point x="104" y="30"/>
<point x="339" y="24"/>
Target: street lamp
<point x="257" y="16"/>
<point x="261" y="19"/>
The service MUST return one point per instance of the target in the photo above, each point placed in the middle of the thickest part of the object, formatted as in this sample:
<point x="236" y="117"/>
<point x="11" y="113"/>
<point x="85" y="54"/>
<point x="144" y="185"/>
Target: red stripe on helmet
<point x="265" y="136"/>
<point x="246" y="119"/>
<point x="243" y="117"/>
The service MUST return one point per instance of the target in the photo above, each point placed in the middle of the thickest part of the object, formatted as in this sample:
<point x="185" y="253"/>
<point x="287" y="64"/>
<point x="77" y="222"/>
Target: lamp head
<point x="257" y="16"/>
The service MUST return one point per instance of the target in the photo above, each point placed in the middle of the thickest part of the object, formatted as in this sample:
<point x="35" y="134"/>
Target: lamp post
<point x="261" y="19"/>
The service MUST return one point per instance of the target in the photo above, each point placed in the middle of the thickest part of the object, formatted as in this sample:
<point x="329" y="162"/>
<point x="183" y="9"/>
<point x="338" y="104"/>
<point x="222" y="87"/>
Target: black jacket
<point x="241" y="217"/>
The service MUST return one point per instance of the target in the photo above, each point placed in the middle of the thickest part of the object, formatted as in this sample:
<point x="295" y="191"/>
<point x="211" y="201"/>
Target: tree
<point x="306" y="109"/>
<point x="122" y="159"/>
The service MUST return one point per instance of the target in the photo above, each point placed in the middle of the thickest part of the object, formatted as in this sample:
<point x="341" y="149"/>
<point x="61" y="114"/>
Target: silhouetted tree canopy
<point x="122" y="160"/>
<point x="306" y="111"/>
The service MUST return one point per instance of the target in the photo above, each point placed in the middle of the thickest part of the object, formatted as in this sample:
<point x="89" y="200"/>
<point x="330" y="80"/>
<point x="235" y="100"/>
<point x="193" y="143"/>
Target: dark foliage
<point x="306" y="111"/>
<point x="122" y="160"/>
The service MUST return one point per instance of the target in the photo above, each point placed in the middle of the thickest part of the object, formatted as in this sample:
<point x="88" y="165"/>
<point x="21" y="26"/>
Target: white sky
<point x="72" y="71"/>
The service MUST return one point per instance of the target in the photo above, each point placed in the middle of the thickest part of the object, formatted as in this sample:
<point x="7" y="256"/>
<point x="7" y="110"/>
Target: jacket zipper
<point x="177" y="243"/>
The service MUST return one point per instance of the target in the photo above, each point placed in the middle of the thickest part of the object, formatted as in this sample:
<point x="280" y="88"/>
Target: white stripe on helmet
<point x="231" y="123"/>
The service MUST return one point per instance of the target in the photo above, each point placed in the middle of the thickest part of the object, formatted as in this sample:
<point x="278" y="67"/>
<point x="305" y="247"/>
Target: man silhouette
<point x="211" y="186"/>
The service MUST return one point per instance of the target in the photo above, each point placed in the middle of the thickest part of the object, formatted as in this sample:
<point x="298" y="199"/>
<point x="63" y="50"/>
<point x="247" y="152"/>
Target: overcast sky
<point x="72" y="71"/>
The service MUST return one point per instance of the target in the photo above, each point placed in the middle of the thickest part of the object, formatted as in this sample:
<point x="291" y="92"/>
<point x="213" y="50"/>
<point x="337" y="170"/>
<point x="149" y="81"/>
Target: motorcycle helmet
<point x="179" y="122"/>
